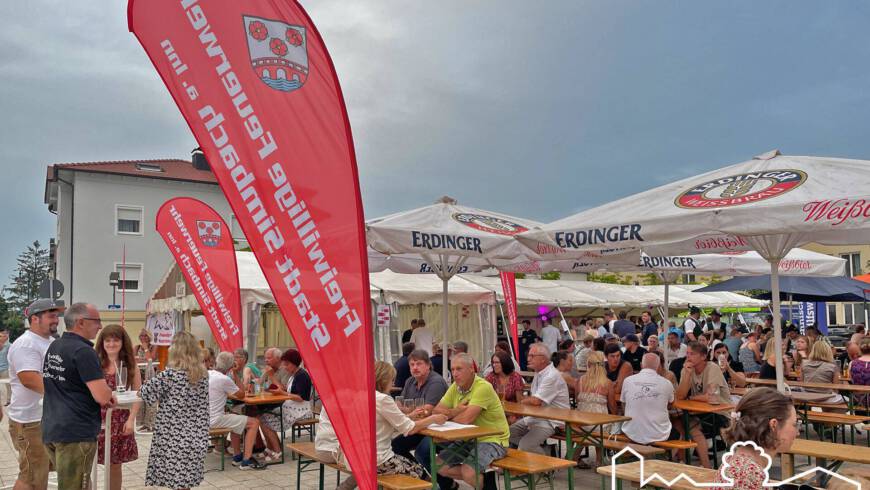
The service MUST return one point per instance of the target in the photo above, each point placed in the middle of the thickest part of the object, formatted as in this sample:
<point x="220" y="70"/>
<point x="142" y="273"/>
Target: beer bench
<point x="307" y="456"/>
<point x="526" y="466"/>
<point x="219" y="438"/>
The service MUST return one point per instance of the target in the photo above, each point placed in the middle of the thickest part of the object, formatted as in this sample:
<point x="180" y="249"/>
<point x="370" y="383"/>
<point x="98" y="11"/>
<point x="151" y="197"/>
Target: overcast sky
<point x="536" y="109"/>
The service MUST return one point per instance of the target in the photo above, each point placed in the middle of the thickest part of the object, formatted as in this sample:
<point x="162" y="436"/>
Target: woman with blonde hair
<point x="594" y="392"/>
<point x="821" y="368"/>
<point x="115" y="350"/>
<point x="391" y="422"/>
<point x="768" y="360"/>
<point x="181" y="431"/>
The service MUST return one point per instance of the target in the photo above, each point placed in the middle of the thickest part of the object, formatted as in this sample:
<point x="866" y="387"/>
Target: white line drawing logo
<point x="655" y="477"/>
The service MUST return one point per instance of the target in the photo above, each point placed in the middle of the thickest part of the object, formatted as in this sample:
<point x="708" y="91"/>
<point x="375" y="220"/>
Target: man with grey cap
<point x="26" y="356"/>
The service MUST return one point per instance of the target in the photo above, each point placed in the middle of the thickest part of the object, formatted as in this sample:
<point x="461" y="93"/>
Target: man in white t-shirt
<point x="219" y="386"/>
<point x="548" y="390"/>
<point x="646" y="397"/>
<point x="26" y="356"/>
<point x="550" y="337"/>
<point x="422" y="337"/>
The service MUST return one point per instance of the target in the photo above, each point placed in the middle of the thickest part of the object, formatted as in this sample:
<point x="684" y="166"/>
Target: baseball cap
<point x="630" y="338"/>
<point x="609" y="336"/>
<point x="42" y="305"/>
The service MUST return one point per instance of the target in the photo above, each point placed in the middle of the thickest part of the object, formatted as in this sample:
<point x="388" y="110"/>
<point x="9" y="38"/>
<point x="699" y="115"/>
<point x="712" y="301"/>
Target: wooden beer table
<point x="574" y="420"/>
<point x="472" y="433"/>
<point x="263" y="402"/>
<point x="699" y="408"/>
<point x="823" y="452"/>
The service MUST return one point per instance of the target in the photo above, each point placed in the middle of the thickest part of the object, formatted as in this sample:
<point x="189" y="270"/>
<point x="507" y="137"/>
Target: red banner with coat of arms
<point x="203" y="248"/>
<point x="258" y="89"/>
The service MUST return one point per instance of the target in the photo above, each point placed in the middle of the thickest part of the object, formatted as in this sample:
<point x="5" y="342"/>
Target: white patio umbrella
<point x="797" y="262"/>
<point x="769" y="204"/>
<point x="451" y="238"/>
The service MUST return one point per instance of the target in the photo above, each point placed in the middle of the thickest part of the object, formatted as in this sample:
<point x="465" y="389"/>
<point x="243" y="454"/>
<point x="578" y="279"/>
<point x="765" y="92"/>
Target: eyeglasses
<point x="98" y="320"/>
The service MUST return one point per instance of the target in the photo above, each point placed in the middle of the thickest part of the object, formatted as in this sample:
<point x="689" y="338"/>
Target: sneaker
<point x="252" y="464"/>
<point x="237" y="460"/>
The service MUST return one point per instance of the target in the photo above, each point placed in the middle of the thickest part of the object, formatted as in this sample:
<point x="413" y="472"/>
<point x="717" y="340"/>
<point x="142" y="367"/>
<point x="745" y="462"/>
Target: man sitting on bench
<point x="548" y="390"/>
<point x="219" y="386"/>
<point x="646" y="397"/>
<point x="469" y="400"/>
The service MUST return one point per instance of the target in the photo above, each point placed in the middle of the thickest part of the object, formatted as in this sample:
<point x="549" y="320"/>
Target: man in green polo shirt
<point x="470" y="400"/>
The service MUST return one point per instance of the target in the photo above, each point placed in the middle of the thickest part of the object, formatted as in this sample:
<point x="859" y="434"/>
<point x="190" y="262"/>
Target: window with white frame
<point x="689" y="279"/>
<point x="130" y="279"/>
<point x="854" y="313"/>
<point x="853" y="263"/>
<point x="832" y="314"/>
<point x="128" y="220"/>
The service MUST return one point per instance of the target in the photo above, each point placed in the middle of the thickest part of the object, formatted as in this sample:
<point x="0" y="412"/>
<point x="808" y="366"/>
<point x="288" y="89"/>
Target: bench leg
<point x="787" y="465"/>
<point x="321" y="477"/>
<point x="507" y="480"/>
<point x="223" y="445"/>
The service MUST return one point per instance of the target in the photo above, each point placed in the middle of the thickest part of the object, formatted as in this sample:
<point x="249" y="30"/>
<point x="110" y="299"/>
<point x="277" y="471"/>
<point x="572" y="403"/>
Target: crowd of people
<point x="62" y="389"/>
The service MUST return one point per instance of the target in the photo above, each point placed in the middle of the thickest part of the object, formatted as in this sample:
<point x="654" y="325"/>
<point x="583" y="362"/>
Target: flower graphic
<point x="258" y="30"/>
<point x="293" y="37"/>
<point x="278" y="46"/>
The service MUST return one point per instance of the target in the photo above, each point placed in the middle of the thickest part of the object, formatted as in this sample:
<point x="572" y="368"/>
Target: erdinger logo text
<point x="489" y="224"/>
<point x="741" y="189"/>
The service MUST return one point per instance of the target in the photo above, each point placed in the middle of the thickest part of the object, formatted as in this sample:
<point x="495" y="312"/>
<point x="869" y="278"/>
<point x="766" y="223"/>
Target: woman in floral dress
<point x="180" y="438"/>
<point x="763" y="420"/>
<point x="114" y="349"/>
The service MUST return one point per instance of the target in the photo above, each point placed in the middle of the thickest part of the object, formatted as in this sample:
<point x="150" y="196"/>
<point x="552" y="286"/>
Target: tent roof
<point x="800" y="288"/>
<point x="463" y="289"/>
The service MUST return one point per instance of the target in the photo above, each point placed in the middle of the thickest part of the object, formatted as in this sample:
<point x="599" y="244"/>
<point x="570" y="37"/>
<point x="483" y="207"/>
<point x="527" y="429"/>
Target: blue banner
<point x="806" y="314"/>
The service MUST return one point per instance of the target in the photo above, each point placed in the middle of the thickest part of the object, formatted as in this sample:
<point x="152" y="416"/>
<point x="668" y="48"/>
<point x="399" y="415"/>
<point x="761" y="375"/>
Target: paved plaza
<point x="273" y="478"/>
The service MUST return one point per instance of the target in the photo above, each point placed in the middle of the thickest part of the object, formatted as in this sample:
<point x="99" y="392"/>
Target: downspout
<point x="72" y="228"/>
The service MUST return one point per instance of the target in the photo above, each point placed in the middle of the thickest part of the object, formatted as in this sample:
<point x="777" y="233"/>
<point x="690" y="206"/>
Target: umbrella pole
<point x="777" y="323"/>
<point x="445" y="353"/>
<point x="665" y="319"/>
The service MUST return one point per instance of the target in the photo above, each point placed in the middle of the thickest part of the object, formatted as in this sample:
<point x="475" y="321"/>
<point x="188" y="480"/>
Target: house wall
<point x="95" y="247"/>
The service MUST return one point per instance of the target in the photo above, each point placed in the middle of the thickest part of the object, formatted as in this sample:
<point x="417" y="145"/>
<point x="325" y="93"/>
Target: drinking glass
<point x="409" y="404"/>
<point x="400" y="402"/>
<point x="121" y="379"/>
<point x="713" y="395"/>
<point x="419" y="402"/>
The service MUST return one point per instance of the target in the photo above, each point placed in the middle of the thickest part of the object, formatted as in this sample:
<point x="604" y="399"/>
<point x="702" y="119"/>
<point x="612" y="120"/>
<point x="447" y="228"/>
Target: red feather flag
<point x="258" y="89"/>
<point x="201" y="243"/>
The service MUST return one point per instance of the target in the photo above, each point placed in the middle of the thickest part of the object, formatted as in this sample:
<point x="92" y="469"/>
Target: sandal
<point x="583" y="465"/>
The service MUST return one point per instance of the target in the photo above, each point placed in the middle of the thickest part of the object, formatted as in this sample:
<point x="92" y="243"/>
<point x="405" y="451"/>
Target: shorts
<point x="462" y="452"/>
<point x="33" y="462"/>
<point x="73" y="461"/>
<point x="236" y="423"/>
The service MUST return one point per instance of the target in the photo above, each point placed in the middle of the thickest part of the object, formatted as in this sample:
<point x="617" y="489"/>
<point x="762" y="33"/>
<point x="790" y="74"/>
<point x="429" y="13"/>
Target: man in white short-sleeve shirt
<point x="550" y="337"/>
<point x="219" y="386"/>
<point x="646" y="397"/>
<point x="548" y="390"/>
<point x="422" y="337"/>
<point x="26" y="356"/>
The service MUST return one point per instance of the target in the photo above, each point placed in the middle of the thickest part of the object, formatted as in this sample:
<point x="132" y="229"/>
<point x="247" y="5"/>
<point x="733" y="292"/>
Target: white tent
<point x="769" y="204"/>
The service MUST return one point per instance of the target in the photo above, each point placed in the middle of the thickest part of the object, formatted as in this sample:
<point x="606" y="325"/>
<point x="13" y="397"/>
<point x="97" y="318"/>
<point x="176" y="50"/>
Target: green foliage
<point x="715" y="278"/>
<point x="519" y="275"/>
<point x="615" y="278"/>
<point x="652" y="279"/>
<point x="33" y="267"/>
<point x="551" y="276"/>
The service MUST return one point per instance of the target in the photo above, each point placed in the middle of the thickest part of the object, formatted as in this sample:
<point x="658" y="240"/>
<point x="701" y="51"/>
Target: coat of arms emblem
<point x="209" y="232"/>
<point x="278" y="51"/>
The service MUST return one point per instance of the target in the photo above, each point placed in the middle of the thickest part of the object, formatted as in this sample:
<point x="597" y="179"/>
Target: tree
<point x="33" y="268"/>
<point x="652" y="279"/>
<point x="551" y="276"/>
<point x="615" y="278"/>
<point x="11" y="319"/>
